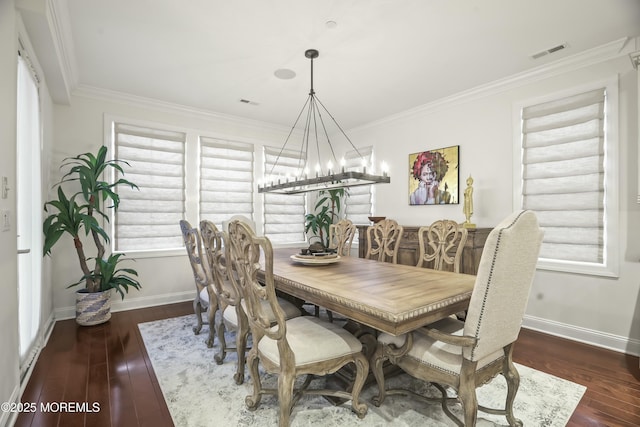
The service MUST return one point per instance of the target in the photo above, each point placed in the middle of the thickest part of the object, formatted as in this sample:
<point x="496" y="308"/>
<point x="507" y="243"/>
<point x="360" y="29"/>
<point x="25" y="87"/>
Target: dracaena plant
<point x="80" y="214"/>
<point x="327" y="211"/>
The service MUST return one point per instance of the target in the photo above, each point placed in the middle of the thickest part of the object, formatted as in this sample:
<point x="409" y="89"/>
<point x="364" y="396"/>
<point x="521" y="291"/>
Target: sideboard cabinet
<point x="409" y="249"/>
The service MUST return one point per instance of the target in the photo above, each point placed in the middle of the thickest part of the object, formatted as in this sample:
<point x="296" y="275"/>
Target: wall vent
<point x="549" y="51"/>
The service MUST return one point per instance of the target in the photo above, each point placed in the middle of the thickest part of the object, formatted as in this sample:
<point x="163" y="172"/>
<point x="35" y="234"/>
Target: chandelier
<point x="333" y="176"/>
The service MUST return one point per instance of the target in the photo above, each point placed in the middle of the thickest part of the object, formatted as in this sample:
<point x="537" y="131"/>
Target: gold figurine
<point x="468" y="204"/>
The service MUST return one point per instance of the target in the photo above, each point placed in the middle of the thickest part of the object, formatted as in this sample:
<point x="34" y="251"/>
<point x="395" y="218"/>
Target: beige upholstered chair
<point x="441" y="245"/>
<point x="304" y="345"/>
<point x="341" y="236"/>
<point x="466" y="355"/>
<point x="386" y="235"/>
<point x="230" y="298"/>
<point x="205" y="299"/>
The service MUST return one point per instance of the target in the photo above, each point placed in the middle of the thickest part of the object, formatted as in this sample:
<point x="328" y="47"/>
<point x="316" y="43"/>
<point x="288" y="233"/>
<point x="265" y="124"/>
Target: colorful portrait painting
<point x="433" y="177"/>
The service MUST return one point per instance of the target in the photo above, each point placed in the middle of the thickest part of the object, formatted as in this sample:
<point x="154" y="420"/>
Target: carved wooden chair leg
<point x="211" y="316"/>
<point x="513" y="382"/>
<point x="362" y="370"/>
<point x="253" y="400"/>
<point x="467" y="392"/>
<point x="242" y="336"/>
<point x="286" y="379"/>
<point x="378" y="360"/>
<point x="220" y="328"/>
<point x="197" y="309"/>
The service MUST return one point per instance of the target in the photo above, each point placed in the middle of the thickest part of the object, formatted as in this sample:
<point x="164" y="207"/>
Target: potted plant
<point x="327" y="210"/>
<point x="81" y="214"/>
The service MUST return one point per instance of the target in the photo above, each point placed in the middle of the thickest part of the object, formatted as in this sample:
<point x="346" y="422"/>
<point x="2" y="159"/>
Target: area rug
<point x="199" y="392"/>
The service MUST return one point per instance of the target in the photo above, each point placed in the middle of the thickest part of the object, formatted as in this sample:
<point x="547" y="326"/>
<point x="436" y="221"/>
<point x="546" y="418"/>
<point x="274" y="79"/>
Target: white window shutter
<point x="226" y="179"/>
<point x="359" y="204"/>
<point x="283" y="213"/>
<point x="148" y="218"/>
<point x="564" y="174"/>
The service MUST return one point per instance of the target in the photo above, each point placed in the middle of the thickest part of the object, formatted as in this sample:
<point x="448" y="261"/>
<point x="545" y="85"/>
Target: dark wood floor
<point x="109" y="365"/>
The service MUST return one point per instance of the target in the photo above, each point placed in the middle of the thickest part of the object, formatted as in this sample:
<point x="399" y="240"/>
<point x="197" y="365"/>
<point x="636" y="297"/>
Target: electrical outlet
<point x="5" y="220"/>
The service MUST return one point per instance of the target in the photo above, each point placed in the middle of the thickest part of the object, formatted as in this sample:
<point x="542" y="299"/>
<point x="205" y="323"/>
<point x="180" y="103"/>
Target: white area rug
<point x="199" y="392"/>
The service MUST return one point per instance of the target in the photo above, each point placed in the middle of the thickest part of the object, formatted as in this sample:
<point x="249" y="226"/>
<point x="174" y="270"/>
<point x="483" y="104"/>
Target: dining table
<point x="372" y="296"/>
<point x="391" y="298"/>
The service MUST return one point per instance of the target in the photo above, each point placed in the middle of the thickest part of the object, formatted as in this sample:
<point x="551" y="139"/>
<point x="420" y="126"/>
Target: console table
<point x="409" y="250"/>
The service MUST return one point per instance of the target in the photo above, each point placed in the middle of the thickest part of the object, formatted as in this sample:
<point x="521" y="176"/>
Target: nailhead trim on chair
<point x="490" y="278"/>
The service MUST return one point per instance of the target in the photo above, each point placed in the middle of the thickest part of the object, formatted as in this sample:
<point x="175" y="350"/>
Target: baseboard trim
<point x="587" y="336"/>
<point x="130" y="303"/>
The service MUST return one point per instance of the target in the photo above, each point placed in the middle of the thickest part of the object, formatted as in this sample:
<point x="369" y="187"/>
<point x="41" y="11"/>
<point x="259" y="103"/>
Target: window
<point x="148" y="219"/>
<point x="226" y="179"/>
<point x="568" y="176"/>
<point x="283" y="213"/>
<point x="359" y="204"/>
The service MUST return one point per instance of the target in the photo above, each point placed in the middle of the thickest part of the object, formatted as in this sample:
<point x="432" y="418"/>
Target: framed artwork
<point x="433" y="177"/>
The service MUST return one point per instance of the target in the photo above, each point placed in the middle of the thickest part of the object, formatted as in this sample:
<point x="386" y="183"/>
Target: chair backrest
<point x="245" y="251"/>
<point x="441" y="245"/>
<point x="386" y="235"/>
<point x="341" y="236"/>
<point x="251" y="223"/>
<point x="503" y="283"/>
<point x="191" y="238"/>
<point x="214" y="245"/>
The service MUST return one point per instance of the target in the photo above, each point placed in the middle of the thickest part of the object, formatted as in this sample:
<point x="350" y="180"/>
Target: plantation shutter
<point x="563" y="175"/>
<point x="226" y="179"/>
<point x="283" y="213"/>
<point x="148" y="218"/>
<point x="359" y="204"/>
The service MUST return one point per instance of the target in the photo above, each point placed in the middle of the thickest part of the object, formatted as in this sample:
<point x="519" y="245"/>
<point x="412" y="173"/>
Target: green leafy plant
<point x="327" y="210"/>
<point x="78" y="215"/>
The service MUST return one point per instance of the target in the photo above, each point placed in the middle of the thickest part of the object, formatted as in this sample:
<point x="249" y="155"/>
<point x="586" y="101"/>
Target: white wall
<point x="593" y="309"/>
<point x="79" y="129"/>
<point x="9" y="354"/>
<point x="599" y="310"/>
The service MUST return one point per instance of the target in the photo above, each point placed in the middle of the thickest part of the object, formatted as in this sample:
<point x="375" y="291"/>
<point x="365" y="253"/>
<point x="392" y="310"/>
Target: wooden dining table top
<point x="392" y="298"/>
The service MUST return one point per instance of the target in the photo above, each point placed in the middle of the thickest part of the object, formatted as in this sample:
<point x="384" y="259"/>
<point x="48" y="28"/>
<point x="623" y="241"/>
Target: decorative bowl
<point x="376" y="219"/>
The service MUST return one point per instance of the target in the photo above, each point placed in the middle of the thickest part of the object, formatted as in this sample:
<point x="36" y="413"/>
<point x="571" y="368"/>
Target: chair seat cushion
<point x="312" y="340"/>
<point x="290" y="311"/>
<point x="204" y="297"/>
<point x="437" y="354"/>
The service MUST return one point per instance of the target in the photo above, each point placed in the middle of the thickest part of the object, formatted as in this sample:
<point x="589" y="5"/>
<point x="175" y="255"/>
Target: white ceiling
<point x="382" y="57"/>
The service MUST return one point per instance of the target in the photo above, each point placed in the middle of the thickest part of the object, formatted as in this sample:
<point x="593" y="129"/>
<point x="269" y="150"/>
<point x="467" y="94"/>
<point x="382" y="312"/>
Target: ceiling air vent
<point x="548" y="51"/>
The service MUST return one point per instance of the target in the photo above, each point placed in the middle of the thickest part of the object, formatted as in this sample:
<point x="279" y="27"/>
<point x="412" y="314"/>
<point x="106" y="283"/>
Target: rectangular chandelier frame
<point x="326" y="182"/>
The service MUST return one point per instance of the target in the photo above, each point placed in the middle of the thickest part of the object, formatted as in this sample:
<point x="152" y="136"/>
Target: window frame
<point x="192" y="177"/>
<point x="610" y="265"/>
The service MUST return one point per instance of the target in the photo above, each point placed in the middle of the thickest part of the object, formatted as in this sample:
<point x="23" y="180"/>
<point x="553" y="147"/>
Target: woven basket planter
<point x="93" y="308"/>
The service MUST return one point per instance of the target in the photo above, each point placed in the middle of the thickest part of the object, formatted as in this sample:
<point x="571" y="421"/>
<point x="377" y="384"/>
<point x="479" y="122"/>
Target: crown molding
<point x="608" y="51"/>
<point x="91" y="92"/>
<point x="59" y="22"/>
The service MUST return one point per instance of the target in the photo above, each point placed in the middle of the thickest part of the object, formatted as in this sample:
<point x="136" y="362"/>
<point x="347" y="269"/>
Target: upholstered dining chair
<point x="205" y="299"/>
<point x="386" y="236"/>
<point x="304" y="345"/>
<point x="467" y="355"/>
<point x="441" y="245"/>
<point x="230" y="298"/>
<point x="341" y="236"/>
